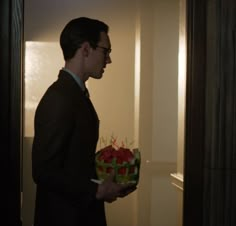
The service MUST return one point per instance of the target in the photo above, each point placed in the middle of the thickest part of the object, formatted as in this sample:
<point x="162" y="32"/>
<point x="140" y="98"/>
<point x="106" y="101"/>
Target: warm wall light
<point x="181" y="95"/>
<point x="182" y="66"/>
<point x="43" y="60"/>
<point x="137" y="71"/>
<point x="178" y="177"/>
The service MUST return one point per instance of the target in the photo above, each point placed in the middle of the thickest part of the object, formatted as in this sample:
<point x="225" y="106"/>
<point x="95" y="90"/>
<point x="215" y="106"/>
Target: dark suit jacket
<point x="66" y="134"/>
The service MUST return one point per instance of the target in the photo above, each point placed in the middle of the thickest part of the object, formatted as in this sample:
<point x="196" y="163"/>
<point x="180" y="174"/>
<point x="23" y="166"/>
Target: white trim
<point x="177" y="180"/>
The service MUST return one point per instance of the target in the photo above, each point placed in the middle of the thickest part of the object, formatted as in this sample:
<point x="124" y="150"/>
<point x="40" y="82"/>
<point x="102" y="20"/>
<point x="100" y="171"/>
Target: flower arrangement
<point x="123" y="161"/>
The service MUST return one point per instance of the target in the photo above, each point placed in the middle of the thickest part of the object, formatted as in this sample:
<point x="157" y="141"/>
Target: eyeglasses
<point x="107" y="51"/>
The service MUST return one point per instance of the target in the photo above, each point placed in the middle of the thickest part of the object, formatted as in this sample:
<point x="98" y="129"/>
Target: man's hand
<point x="127" y="190"/>
<point x="109" y="191"/>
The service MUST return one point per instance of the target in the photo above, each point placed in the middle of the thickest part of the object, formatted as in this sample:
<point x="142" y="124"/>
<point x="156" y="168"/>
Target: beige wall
<point x="154" y="126"/>
<point x="158" y="111"/>
<point x="165" y="81"/>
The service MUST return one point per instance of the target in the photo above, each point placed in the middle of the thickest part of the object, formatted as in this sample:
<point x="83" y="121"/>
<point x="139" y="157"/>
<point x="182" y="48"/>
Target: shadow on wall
<point x="29" y="188"/>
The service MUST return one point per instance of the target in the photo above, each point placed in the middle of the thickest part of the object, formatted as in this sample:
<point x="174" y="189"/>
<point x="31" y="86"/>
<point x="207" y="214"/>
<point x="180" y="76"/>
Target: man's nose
<point x="108" y="59"/>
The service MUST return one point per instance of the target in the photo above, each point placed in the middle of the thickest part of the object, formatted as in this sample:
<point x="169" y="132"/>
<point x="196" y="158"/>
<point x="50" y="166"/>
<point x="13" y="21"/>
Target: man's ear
<point x="86" y="48"/>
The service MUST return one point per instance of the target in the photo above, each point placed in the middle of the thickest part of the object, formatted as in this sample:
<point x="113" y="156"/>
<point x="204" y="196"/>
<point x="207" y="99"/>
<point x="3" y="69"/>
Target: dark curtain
<point x="10" y="110"/>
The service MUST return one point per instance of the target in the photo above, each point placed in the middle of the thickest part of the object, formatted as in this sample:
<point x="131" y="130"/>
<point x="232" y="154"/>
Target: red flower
<point x="122" y="155"/>
<point x="122" y="171"/>
<point x="106" y="154"/>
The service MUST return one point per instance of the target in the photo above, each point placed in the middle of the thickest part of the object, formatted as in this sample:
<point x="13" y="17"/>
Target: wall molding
<point x="158" y="167"/>
<point x="177" y="181"/>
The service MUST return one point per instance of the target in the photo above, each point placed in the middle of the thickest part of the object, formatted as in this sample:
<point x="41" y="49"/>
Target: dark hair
<point x="79" y="30"/>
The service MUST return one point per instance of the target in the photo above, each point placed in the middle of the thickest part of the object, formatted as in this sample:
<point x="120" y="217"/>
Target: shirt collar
<point x="76" y="78"/>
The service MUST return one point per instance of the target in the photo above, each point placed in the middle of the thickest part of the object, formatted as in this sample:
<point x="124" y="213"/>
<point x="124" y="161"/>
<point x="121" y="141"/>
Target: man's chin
<point x="97" y="76"/>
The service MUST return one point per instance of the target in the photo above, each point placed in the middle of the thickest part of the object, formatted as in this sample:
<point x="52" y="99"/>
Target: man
<point x="66" y="135"/>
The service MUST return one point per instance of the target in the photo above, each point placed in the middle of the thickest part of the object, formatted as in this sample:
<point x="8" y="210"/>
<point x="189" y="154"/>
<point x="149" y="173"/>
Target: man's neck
<point x="75" y="69"/>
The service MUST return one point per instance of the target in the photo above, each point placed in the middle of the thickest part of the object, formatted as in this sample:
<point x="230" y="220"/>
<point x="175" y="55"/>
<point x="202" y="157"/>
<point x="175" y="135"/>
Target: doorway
<point x="145" y="65"/>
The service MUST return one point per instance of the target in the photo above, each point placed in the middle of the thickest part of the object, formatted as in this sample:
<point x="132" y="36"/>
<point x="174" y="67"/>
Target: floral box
<point x="123" y="161"/>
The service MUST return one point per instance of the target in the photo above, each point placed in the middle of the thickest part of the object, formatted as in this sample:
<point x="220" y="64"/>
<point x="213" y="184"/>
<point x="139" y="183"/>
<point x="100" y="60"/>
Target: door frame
<point x="11" y="61"/>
